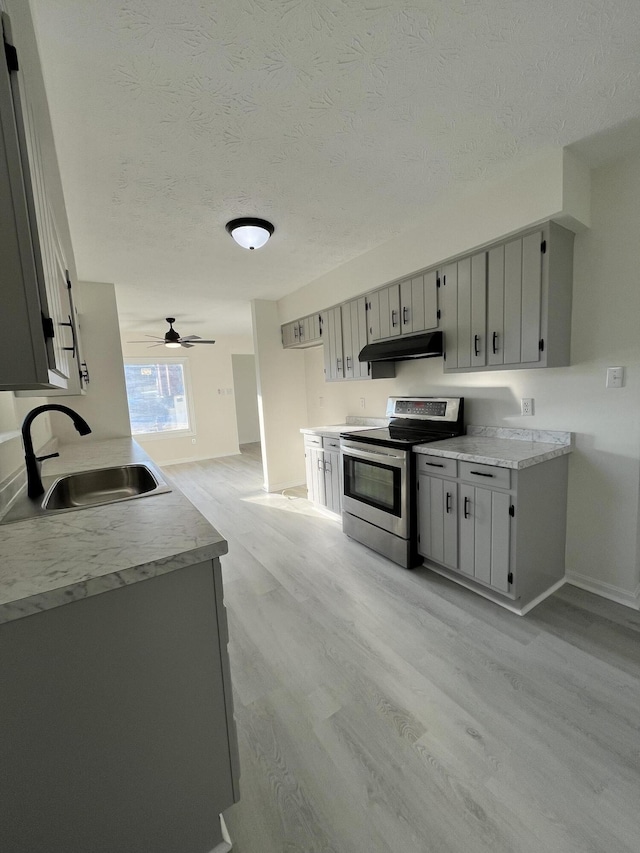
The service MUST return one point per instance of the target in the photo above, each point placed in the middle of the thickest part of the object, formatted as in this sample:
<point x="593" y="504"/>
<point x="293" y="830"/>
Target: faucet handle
<point x="48" y="456"/>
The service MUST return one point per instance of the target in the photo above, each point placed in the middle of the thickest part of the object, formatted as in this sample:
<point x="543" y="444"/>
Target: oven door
<point x="375" y="485"/>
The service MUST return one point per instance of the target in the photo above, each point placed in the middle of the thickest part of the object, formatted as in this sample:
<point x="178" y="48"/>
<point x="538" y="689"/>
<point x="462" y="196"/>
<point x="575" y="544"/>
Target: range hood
<point x="427" y="345"/>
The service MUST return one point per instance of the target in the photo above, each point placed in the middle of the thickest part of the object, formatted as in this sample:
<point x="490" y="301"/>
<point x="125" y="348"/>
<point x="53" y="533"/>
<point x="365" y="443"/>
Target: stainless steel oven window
<point x="373" y="483"/>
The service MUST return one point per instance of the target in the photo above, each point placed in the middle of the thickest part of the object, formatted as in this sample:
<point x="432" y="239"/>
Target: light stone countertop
<point x="50" y="561"/>
<point x="332" y="430"/>
<point x="502" y="447"/>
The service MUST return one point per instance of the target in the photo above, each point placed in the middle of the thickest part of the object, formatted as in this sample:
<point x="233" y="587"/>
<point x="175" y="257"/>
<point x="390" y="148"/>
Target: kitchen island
<point x="116" y="710"/>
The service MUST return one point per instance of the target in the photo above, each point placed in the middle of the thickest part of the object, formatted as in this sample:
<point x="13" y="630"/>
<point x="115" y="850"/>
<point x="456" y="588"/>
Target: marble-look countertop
<point x="505" y="448"/>
<point x="354" y="423"/>
<point x="50" y="561"/>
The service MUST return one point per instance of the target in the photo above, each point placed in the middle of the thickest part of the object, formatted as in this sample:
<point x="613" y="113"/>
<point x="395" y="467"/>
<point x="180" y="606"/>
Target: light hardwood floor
<point x="381" y="709"/>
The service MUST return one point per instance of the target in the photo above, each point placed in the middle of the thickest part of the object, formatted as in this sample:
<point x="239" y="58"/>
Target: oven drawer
<point x="438" y="466"/>
<point x="485" y="475"/>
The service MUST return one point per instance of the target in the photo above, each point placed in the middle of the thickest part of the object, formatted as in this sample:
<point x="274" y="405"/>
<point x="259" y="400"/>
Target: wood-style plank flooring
<point x="381" y="709"/>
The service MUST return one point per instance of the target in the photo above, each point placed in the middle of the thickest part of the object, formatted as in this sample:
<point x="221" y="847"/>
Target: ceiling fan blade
<point x="182" y="344"/>
<point x="159" y="340"/>
<point x="201" y="342"/>
<point x="190" y="338"/>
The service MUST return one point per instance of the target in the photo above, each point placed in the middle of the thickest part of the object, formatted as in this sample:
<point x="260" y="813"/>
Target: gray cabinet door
<point x="479" y="310"/>
<point x="495" y="306"/>
<point x="430" y="300"/>
<point x="332" y="338"/>
<point x="437" y="520"/>
<point x="531" y="297"/>
<point x="464" y="312"/>
<point x="359" y="336"/>
<point x="390" y="324"/>
<point x="449" y="311"/>
<point x="347" y="339"/>
<point x="319" y="494"/>
<point x="333" y="491"/>
<point x="485" y="535"/>
<point x="373" y="317"/>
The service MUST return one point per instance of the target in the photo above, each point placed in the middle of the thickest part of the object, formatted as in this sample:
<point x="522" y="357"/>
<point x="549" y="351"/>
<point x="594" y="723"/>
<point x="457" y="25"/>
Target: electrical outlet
<point x="363" y="403"/>
<point x="526" y="406"/>
<point x="193" y="441"/>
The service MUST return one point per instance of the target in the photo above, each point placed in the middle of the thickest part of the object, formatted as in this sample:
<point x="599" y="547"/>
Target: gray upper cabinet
<point x="403" y="309"/>
<point x="419" y="303"/>
<point x="510" y="306"/>
<point x="306" y="332"/>
<point x="37" y="345"/>
<point x="344" y="335"/>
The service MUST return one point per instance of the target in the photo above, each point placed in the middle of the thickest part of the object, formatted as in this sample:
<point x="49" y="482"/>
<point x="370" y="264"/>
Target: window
<point x="159" y="396"/>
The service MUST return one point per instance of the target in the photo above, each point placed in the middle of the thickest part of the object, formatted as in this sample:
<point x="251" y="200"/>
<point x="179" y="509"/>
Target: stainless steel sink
<point x="105" y="486"/>
<point x="90" y="488"/>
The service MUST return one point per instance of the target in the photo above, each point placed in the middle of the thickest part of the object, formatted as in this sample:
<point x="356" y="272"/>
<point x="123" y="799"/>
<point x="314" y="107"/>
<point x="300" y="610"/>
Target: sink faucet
<point x="34" y="483"/>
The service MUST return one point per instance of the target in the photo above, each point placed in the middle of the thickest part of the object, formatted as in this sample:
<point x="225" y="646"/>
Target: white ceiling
<point x="340" y="121"/>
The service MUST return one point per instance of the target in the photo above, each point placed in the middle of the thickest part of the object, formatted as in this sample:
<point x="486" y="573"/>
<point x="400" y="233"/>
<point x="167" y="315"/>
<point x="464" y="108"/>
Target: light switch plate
<point x="615" y="377"/>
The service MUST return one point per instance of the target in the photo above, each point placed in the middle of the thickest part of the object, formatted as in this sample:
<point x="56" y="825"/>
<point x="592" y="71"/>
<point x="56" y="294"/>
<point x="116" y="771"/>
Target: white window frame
<point x="174" y="433"/>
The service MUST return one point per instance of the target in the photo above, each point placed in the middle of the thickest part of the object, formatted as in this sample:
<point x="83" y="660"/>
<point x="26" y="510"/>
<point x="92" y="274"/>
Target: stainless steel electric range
<point x="379" y="473"/>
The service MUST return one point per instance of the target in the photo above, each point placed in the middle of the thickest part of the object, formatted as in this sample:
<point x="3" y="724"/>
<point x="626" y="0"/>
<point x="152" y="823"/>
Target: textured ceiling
<point x="341" y="121"/>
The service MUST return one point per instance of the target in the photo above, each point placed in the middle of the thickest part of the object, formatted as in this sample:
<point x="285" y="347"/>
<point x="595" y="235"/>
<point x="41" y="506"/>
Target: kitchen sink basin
<point x="90" y="488"/>
<point x="104" y="486"/>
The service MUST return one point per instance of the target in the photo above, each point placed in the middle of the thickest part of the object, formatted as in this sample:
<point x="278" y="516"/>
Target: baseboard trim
<point x="556" y="586"/>
<point x="606" y="590"/>
<point x="278" y="487"/>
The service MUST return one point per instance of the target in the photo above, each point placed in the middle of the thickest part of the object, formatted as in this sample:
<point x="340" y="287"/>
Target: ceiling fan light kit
<point x="173" y="339"/>
<point x="249" y="232"/>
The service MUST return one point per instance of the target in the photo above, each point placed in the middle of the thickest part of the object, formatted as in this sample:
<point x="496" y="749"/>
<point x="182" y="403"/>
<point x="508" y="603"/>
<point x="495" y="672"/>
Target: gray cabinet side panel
<point x="360" y="334"/>
<point x="540" y="525"/>
<point x="114" y="729"/>
<point x="559" y="288"/>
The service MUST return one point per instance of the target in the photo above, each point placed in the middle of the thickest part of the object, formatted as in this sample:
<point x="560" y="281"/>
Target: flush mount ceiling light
<point x="250" y="233"/>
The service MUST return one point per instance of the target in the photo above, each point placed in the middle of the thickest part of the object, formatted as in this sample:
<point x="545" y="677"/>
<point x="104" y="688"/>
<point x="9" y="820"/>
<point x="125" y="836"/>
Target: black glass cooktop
<point x="398" y="437"/>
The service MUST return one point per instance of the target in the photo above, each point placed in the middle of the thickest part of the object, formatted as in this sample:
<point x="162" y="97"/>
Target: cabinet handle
<point x="338" y="365"/>
<point x="482" y="474"/>
<point x="434" y="464"/>
<point x="448" y="501"/>
<point x="296" y="331"/>
<point x="320" y="464"/>
<point x="476" y="341"/>
<point x="327" y="467"/>
<point x="393" y="318"/>
<point x="404" y="314"/>
<point x="466" y="507"/>
<point x="495" y="343"/>
<point x="301" y="332"/>
<point x="349" y="366"/>
<point x="71" y="349"/>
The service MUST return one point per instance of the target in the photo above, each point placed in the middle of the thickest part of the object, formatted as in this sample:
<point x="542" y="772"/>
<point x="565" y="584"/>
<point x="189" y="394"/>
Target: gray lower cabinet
<point x="322" y="463"/>
<point x="510" y="306"/>
<point x="496" y="529"/>
<point x="117" y="720"/>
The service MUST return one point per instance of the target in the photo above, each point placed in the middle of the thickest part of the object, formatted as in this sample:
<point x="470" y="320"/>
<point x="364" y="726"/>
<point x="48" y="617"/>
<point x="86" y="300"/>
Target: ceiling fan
<point x="173" y="339"/>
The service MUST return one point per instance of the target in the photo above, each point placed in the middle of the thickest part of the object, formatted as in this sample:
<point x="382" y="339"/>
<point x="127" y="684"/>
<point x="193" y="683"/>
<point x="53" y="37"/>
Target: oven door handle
<point x="371" y="456"/>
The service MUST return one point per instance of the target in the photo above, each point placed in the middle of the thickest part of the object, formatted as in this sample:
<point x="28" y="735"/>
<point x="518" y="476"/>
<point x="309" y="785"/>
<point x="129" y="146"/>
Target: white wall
<point x="245" y="389"/>
<point x="282" y="401"/>
<point x="603" y="512"/>
<point x="211" y="372"/>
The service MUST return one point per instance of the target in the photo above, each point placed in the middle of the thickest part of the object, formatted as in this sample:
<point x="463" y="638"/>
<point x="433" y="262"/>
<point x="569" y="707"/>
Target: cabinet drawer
<point x="486" y="475"/>
<point x="331" y="443"/>
<point x="437" y="466"/>
<point x="312" y="440"/>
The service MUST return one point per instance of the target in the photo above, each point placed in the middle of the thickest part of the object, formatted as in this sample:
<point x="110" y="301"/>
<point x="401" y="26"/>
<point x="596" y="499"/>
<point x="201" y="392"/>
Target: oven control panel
<point x="425" y="408"/>
<point x="421" y="407"/>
